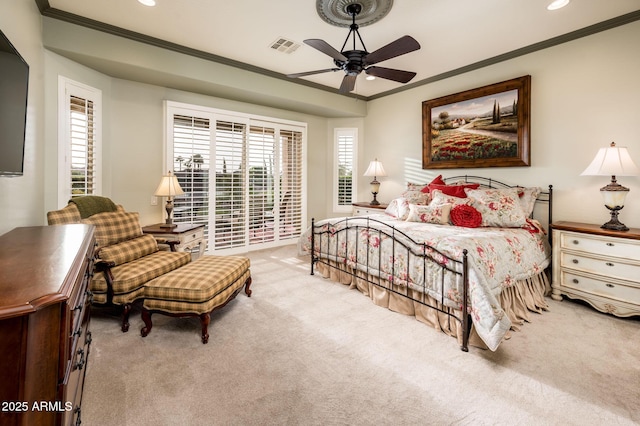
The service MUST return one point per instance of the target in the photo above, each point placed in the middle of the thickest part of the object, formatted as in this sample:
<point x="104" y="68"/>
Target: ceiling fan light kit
<point x="354" y="61"/>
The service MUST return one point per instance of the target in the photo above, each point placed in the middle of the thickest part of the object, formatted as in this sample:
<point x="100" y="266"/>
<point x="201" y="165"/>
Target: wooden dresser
<point x="44" y="323"/>
<point x="599" y="266"/>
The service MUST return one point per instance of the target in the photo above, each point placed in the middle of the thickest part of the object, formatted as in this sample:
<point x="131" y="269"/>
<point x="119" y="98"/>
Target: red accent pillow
<point x="454" y="190"/>
<point x="436" y="181"/>
<point x="465" y="215"/>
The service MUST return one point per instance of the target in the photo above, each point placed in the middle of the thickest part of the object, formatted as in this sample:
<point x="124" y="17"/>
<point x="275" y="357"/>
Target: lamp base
<point x="374" y="202"/>
<point x="614" y="224"/>
<point x="169" y="222"/>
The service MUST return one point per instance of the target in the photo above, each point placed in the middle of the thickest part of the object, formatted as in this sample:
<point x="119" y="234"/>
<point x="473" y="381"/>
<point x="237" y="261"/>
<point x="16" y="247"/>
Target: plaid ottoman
<point x="196" y="289"/>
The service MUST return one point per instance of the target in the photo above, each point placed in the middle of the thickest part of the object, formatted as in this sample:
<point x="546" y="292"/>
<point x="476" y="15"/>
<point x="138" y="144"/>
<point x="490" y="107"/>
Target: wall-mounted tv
<point x="14" y="83"/>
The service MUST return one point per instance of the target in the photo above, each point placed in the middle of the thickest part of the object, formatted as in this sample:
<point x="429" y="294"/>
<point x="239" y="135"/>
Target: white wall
<point x="584" y="95"/>
<point x="21" y="198"/>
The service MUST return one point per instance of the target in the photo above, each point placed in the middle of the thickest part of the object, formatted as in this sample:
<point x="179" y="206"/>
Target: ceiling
<point x="454" y="35"/>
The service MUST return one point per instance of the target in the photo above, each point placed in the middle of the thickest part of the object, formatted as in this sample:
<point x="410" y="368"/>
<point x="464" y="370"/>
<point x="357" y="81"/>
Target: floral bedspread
<point x="497" y="258"/>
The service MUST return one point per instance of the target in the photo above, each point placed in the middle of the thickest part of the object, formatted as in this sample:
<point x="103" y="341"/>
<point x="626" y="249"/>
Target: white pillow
<point x="398" y="208"/>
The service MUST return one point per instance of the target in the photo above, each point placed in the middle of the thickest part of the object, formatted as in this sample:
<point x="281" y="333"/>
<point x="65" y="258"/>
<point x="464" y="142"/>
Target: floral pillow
<point x="416" y="196"/>
<point x="429" y="214"/>
<point x="498" y="207"/>
<point x="398" y="208"/>
<point x="528" y="199"/>
<point x="439" y="198"/>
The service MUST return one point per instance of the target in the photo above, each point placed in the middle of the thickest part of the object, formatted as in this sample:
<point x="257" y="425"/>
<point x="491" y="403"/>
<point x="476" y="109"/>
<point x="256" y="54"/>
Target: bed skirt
<point x="518" y="301"/>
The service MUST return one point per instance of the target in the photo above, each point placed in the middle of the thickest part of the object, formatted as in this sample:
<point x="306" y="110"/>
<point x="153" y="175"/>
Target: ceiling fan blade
<point x="326" y="48"/>
<point x="391" y="74"/>
<point x="348" y="83"/>
<point x="399" y="47"/>
<point x="303" y="74"/>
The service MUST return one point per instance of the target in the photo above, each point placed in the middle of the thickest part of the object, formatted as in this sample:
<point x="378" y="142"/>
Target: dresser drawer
<point x="611" y="247"/>
<point x="601" y="287"/>
<point x="608" y="268"/>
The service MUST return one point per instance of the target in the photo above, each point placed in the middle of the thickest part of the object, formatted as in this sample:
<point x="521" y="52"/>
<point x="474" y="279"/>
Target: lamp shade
<point x="169" y="186"/>
<point x="375" y="169"/>
<point x="612" y="161"/>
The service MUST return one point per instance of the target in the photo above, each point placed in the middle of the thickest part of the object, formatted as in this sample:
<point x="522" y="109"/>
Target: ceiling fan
<point x="354" y="61"/>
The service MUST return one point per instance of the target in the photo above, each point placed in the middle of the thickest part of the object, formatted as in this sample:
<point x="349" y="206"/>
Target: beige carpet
<point x="306" y="351"/>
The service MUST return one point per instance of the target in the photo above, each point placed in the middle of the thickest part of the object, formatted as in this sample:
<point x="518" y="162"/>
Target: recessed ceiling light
<point x="148" y="2"/>
<point x="557" y="4"/>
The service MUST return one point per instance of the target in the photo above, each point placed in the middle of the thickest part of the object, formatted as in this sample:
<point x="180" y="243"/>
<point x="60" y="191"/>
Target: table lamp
<point x="375" y="169"/>
<point x="613" y="161"/>
<point x="169" y="187"/>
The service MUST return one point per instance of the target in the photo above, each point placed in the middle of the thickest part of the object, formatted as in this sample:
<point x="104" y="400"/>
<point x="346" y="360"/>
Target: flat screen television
<point x="14" y="83"/>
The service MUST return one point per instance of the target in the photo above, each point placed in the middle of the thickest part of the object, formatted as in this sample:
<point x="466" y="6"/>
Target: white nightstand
<point x="362" y="209"/>
<point x="190" y="237"/>
<point x="598" y="266"/>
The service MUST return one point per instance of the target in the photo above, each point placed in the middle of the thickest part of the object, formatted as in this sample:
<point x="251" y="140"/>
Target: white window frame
<point x="338" y="135"/>
<point x="66" y="89"/>
<point x="214" y="115"/>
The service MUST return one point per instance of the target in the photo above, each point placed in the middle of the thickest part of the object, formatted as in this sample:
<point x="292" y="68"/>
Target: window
<point x="79" y="148"/>
<point x="344" y="182"/>
<point x="242" y="175"/>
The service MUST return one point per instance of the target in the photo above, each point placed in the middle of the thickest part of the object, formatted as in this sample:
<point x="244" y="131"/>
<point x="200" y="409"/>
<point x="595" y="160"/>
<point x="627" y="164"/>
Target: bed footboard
<point x="427" y="272"/>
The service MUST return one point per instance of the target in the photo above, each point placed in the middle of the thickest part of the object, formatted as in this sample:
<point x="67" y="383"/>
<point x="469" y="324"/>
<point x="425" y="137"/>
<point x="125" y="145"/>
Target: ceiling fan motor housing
<point x="355" y="63"/>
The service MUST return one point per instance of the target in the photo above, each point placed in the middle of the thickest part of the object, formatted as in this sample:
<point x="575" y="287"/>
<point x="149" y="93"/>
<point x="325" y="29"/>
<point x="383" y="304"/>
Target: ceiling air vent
<point x="284" y="45"/>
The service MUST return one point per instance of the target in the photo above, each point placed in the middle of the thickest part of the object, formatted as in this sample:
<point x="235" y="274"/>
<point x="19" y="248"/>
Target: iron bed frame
<point x="428" y="254"/>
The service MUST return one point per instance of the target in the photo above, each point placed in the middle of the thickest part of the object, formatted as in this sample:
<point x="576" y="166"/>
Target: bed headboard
<point x="544" y="216"/>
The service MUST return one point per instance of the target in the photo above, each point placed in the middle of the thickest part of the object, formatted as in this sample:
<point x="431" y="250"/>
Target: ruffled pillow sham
<point x="398" y="208"/>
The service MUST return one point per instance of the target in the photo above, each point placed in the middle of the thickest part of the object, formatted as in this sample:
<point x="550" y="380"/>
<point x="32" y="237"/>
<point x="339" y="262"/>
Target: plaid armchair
<point x="126" y="258"/>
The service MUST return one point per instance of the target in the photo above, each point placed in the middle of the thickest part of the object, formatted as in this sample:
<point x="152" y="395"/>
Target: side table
<point x="361" y="209"/>
<point x="190" y="237"/>
<point x="599" y="266"/>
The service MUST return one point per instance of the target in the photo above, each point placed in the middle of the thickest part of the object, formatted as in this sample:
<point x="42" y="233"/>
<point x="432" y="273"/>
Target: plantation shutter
<point x="229" y="216"/>
<point x="345" y="160"/>
<point x="261" y="153"/>
<point x="290" y="209"/>
<point x="242" y="177"/>
<point x="191" y="165"/>
<point x="345" y="167"/>
<point x="82" y="171"/>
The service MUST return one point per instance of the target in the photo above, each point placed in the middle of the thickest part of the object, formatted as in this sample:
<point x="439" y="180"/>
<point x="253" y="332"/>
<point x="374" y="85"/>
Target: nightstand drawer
<point x="189" y="237"/>
<point x="597" y="244"/>
<point x="608" y="268"/>
<point x="601" y="287"/>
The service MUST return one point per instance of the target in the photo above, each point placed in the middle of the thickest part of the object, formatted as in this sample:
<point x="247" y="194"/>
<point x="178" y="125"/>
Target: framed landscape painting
<point x="484" y="127"/>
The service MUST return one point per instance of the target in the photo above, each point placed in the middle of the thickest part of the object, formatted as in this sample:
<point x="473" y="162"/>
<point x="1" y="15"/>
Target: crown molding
<point x="48" y="11"/>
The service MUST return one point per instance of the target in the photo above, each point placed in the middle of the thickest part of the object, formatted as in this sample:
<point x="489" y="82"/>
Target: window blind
<point x="191" y="164"/>
<point x="242" y="177"/>
<point x="82" y="171"/>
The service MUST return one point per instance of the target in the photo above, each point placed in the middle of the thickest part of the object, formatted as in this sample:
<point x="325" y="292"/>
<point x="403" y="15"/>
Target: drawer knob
<point x="81" y="362"/>
<point x="575" y="242"/>
<point x="610" y="244"/>
<point x="609" y="264"/>
<point x="575" y="281"/>
<point x="610" y="285"/>
<point x="574" y="260"/>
